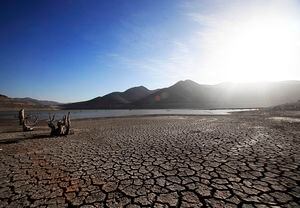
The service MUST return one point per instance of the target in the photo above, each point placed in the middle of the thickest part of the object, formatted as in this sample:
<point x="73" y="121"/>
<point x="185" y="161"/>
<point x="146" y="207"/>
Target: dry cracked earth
<point x="164" y="161"/>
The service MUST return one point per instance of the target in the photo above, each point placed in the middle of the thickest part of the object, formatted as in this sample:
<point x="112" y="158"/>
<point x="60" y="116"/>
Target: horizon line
<point x="208" y="84"/>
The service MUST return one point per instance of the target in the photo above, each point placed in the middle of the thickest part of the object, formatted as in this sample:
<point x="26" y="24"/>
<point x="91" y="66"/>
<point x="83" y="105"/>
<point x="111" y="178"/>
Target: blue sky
<point x="76" y="50"/>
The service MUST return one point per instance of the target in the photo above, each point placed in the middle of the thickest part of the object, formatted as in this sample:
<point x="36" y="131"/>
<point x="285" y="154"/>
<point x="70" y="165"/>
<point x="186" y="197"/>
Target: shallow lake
<point x="77" y="114"/>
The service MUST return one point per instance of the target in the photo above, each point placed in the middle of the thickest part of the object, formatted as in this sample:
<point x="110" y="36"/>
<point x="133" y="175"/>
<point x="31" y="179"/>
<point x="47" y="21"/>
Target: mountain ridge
<point x="27" y="102"/>
<point x="182" y="94"/>
<point x="113" y="100"/>
<point x="190" y="94"/>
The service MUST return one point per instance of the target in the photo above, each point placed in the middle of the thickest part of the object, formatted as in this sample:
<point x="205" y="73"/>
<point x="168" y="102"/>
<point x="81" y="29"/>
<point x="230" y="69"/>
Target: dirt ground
<point x="159" y="161"/>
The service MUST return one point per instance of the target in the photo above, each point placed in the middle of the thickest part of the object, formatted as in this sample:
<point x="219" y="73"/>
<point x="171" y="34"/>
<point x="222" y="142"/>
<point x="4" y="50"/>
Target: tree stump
<point x="62" y="127"/>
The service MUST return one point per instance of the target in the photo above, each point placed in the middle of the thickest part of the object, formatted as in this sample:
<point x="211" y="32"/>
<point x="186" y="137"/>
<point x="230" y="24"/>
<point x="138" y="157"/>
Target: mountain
<point x="112" y="100"/>
<point x="183" y="94"/>
<point x="287" y="107"/>
<point x="189" y="94"/>
<point x="29" y="103"/>
<point x="3" y="97"/>
<point x="39" y="102"/>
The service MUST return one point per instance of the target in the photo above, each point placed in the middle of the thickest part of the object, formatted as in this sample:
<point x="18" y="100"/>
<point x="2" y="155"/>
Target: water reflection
<point x="77" y="114"/>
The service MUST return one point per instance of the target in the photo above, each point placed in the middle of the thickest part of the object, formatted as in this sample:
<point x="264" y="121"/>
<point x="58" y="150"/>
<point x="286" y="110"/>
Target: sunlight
<point x="261" y="48"/>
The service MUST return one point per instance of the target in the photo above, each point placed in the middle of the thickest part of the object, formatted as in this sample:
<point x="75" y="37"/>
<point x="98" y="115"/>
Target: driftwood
<point x="62" y="127"/>
<point x="27" y="122"/>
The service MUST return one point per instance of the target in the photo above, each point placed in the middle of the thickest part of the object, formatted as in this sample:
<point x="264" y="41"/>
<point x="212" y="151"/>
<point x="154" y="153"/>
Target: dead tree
<point x="22" y="116"/>
<point x="62" y="127"/>
<point x="27" y="122"/>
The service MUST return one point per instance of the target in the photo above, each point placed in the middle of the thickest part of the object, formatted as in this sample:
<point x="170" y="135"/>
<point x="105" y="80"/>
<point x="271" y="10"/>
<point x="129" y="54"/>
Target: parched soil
<point x="163" y="161"/>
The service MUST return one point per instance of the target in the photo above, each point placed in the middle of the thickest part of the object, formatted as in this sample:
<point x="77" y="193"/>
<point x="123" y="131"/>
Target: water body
<point x="79" y="114"/>
<point x="287" y="119"/>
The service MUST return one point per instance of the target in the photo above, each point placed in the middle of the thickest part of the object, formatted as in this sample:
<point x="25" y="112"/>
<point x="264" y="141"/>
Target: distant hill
<point x="287" y="107"/>
<point x="113" y="100"/>
<point x="39" y="102"/>
<point x="28" y="103"/>
<point x="189" y="94"/>
<point x="183" y="94"/>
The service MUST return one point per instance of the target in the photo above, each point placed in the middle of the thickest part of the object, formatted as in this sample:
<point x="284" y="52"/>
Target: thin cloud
<point x="202" y="53"/>
<point x="177" y="64"/>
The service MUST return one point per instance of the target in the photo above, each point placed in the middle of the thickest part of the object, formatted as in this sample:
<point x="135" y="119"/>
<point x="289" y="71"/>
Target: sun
<point x="261" y="47"/>
<point x="259" y="51"/>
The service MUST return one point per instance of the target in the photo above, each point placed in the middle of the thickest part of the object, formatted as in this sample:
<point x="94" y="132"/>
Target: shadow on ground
<point x="19" y="139"/>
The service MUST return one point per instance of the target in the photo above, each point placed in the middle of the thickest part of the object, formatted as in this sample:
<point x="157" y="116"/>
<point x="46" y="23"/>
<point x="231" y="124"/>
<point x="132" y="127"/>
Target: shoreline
<point x="292" y="114"/>
<point x="86" y="114"/>
<point x="96" y="109"/>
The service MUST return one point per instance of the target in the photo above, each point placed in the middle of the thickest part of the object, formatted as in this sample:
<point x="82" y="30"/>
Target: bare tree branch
<point x="26" y="122"/>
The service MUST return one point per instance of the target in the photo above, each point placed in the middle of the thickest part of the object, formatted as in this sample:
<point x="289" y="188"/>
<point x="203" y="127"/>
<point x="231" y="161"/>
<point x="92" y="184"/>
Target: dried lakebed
<point x="164" y="161"/>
